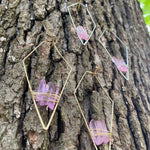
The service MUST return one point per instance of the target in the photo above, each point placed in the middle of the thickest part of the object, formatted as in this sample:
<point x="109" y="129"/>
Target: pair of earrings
<point x="50" y="95"/>
<point x="84" y="36"/>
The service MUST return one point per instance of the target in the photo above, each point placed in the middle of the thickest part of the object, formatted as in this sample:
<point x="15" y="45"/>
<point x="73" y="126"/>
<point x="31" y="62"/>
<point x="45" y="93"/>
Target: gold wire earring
<point x="46" y="96"/>
<point x="95" y="132"/>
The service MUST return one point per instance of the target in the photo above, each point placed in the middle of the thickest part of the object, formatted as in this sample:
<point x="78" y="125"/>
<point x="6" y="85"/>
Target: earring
<point x="47" y="94"/>
<point x="97" y="128"/>
<point x="121" y="65"/>
<point x="83" y="31"/>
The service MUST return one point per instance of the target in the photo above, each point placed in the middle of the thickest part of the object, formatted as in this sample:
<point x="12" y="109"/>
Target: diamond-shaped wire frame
<point x="127" y="62"/>
<point x="45" y="127"/>
<point x="112" y="102"/>
<point x="68" y="7"/>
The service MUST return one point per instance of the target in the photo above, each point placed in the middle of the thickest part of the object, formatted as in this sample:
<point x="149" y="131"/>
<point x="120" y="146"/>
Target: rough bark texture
<point x="23" y="22"/>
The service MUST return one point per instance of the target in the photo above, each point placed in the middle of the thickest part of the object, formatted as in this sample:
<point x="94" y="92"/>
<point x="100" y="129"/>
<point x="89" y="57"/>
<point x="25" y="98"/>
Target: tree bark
<point x="30" y="22"/>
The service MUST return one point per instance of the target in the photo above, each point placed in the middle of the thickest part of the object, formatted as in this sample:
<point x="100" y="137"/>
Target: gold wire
<point x="79" y="4"/>
<point x="83" y="113"/>
<point x="49" y="100"/>
<point x="30" y="88"/>
<point x="46" y="94"/>
<point x="100" y="129"/>
<point x="100" y="133"/>
<point x="95" y="71"/>
<point x="53" y="41"/>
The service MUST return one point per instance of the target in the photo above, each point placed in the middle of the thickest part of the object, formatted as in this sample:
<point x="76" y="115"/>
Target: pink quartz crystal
<point x="121" y="65"/>
<point x="99" y="132"/>
<point x="82" y="33"/>
<point x="47" y="94"/>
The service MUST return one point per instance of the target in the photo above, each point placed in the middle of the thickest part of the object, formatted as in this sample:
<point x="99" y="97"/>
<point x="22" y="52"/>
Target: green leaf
<point x="146" y="10"/>
<point x="147" y="20"/>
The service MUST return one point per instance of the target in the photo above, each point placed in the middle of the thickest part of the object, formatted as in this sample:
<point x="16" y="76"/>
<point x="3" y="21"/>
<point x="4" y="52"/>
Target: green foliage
<point x="145" y="4"/>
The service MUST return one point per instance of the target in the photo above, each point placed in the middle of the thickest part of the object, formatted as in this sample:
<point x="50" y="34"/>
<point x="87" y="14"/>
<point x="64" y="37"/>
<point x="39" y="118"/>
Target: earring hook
<point x="79" y="4"/>
<point x="53" y="41"/>
<point x="94" y="73"/>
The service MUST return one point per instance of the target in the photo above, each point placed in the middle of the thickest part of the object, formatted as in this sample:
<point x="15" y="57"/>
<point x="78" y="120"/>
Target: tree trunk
<point x="30" y="22"/>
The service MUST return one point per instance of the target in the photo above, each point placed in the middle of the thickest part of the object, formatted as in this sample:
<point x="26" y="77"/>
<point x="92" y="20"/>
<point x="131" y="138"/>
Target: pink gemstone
<point x="99" y="132"/>
<point x="82" y="33"/>
<point x="47" y="94"/>
<point x="53" y="90"/>
<point x="121" y="65"/>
